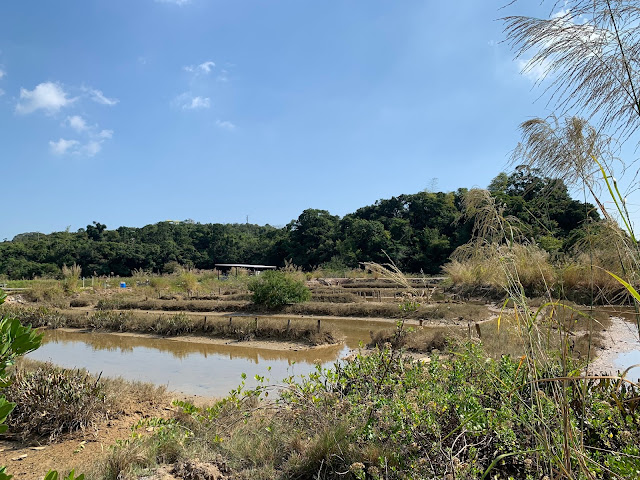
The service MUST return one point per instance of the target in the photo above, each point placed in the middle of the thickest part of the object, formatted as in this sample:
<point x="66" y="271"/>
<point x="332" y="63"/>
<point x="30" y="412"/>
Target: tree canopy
<point x="417" y="231"/>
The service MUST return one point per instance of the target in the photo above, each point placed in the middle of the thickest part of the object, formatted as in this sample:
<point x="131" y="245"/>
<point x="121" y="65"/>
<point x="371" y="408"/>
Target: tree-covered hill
<point x="418" y="231"/>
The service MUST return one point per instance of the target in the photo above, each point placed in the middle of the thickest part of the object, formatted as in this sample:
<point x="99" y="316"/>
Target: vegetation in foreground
<point x="53" y="401"/>
<point x="384" y="415"/>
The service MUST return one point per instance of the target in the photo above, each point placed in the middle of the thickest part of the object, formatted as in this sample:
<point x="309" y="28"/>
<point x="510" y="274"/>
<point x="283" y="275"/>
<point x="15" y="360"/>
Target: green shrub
<point x="275" y="289"/>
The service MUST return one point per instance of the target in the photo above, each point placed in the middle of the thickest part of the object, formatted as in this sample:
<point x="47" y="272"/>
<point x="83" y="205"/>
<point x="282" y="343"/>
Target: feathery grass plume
<point x="565" y="150"/>
<point x="589" y="51"/>
<point x="71" y="275"/>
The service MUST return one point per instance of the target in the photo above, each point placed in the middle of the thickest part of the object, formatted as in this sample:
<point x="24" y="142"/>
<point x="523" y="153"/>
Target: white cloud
<point x="1" y="92"/>
<point x="535" y="73"/>
<point x="46" y="96"/>
<point x="89" y="147"/>
<point x="63" y="146"/>
<point x="2" y="73"/>
<point x="98" y="97"/>
<point x="187" y="101"/>
<point x="198" y="102"/>
<point x="204" y="67"/>
<point x="77" y="123"/>
<point x="225" y="125"/>
<point x="92" y="148"/>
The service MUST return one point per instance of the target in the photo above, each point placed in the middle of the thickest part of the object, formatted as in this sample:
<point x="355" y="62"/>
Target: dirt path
<point x="81" y="450"/>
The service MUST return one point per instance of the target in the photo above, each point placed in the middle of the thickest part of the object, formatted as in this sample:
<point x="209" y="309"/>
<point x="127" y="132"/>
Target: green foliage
<point x="388" y="416"/>
<point x="274" y="289"/>
<point x="544" y="207"/>
<point x="53" y="475"/>
<point x="418" y="231"/>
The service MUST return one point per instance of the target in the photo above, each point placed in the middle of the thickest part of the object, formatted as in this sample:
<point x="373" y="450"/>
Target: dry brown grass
<point x="52" y="401"/>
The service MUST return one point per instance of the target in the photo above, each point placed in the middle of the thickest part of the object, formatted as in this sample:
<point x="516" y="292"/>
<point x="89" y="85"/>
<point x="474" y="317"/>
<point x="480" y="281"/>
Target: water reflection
<point x="184" y="366"/>
<point x="626" y="360"/>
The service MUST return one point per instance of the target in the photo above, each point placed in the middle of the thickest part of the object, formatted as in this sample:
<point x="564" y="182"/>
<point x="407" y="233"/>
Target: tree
<point x="94" y="232"/>
<point x="312" y="238"/>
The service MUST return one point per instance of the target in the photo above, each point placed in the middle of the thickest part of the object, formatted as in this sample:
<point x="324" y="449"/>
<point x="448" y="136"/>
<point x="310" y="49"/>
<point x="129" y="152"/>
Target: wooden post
<point x="420" y="322"/>
<point x="288" y="325"/>
<point x="256" y="324"/>
<point x="204" y="324"/>
<point x="230" y="318"/>
<point x="318" y="326"/>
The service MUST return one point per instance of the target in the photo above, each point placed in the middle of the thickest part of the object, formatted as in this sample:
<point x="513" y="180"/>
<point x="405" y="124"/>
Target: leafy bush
<point x="275" y="289"/>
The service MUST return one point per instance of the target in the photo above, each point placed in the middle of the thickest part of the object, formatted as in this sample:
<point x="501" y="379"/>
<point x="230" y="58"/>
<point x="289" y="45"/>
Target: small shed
<point x="252" y="268"/>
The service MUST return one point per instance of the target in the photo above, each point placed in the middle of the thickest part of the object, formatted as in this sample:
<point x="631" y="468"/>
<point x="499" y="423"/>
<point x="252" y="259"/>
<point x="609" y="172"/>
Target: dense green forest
<point x="418" y="231"/>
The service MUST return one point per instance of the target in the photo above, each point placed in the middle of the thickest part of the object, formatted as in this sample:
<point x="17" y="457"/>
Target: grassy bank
<point x="238" y="328"/>
<point x="441" y="311"/>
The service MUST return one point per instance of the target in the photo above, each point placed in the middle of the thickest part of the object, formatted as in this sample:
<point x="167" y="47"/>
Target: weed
<point x="51" y="401"/>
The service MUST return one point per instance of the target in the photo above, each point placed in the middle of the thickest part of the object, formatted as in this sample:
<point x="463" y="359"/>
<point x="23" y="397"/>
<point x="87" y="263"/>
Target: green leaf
<point x="4" y="475"/>
<point x="626" y="285"/>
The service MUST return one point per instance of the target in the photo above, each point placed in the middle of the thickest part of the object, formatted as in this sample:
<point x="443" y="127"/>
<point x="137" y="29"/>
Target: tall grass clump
<point x="498" y="252"/>
<point x="557" y="384"/>
<point x="70" y="277"/>
<point x="44" y="291"/>
<point x="51" y="401"/>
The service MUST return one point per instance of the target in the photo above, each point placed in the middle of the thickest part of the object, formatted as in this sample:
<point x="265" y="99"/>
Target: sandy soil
<point x="32" y="460"/>
<point x="621" y="336"/>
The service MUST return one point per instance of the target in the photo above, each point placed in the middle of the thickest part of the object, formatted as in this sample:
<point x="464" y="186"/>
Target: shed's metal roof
<point x="244" y="265"/>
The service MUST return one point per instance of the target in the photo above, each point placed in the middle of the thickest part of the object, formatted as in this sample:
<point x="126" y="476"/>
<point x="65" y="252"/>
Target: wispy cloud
<point x="567" y="26"/>
<point x="92" y="148"/>
<point x="225" y="125"/>
<point x="1" y="92"/>
<point x="223" y="76"/>
<point x="204" y="67"/>
<point x="2" y="73"/>
<point x="198" y="102"/>
<point x="537" y="72"/>
<point x="98" y="97"/>
<point x="77" y="123"/>
<point x="187" y="101"/>
<point x="92" y="139"/>
<point x="63" y="146"/>
<point x="47" y="96"/>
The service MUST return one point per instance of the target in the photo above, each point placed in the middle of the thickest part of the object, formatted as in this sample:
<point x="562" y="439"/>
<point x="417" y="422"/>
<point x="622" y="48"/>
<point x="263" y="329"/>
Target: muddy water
<point x="191" y="366"/>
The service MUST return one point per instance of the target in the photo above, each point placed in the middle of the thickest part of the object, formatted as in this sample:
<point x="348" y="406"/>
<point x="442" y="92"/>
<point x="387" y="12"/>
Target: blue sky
<point x="131" y="113"/>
